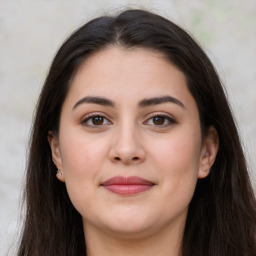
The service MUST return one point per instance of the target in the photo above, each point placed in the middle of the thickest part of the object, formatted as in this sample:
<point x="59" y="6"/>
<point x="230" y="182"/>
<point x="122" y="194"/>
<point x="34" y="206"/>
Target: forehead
<point x="128" y="74"/>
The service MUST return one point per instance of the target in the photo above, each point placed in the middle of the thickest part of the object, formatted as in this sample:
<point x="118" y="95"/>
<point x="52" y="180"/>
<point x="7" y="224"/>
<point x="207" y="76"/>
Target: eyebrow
<point x="160" y="100"/>
<point x="95" y="100"/>
<point x="143" y="103"/>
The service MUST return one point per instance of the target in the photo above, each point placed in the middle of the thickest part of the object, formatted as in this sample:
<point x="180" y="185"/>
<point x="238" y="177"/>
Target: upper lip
<point x="131" y="180"/>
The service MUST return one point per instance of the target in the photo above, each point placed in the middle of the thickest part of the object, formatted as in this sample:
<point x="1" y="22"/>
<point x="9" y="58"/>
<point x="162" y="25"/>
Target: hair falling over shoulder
<point x="221" y="219"/>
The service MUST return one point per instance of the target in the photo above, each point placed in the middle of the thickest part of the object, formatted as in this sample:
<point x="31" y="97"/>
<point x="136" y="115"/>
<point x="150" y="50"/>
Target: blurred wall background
<point x="31" y="32"/>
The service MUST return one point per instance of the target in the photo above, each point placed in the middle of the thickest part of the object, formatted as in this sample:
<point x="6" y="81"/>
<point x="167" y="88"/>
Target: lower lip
<point x="128" y="190"/>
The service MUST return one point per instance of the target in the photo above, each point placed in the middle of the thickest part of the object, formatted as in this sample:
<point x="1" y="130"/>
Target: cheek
<point x="177" y="159"/>
<point x="177" y="150"/>
<point x="81" y="165"/>
<point x="81" y="154"/>
<point x="81" y="160"/>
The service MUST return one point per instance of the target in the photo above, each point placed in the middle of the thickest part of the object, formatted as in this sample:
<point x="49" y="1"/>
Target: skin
<point x="126" y="140"/>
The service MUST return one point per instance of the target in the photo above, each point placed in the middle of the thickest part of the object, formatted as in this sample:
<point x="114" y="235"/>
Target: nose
<point x="127" y="146"/>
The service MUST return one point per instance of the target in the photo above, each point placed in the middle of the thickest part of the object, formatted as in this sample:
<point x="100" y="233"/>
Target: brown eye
<point x="97" y="120"/>
<point x="159" y="120"/>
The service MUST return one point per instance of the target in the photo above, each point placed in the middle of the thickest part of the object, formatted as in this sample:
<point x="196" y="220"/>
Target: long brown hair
<point x="222" y="214"/>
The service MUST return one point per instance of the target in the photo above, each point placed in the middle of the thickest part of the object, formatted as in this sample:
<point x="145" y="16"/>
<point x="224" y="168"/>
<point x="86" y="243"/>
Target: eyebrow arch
<point x="160" y="100"/>
<point x="143" y="103"/>
<point x="95" y="100"/>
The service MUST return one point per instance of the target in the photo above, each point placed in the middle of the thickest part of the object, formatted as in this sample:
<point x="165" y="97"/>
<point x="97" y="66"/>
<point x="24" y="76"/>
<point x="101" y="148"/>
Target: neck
<point x="163" y="243"/>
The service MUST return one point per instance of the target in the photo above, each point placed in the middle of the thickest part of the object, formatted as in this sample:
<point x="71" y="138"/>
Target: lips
<point x="127" y="185"/>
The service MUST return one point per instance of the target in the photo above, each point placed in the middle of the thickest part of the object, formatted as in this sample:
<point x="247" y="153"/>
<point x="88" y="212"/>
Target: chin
<point x="129" y="231"/>
<point x="131" y="225"/>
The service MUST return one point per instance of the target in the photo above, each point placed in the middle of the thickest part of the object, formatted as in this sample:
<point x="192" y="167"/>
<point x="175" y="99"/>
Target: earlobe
<point x="209" y="152"/>
<point x="60" y="176"/>
<point x="56" y="156"/>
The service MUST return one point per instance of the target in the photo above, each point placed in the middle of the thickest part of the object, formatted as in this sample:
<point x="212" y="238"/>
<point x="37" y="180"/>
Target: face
<point x="129" y="147"/>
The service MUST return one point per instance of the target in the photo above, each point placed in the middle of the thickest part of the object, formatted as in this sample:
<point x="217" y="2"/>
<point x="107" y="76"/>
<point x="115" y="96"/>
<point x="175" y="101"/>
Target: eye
<point x="95" y="120"/>
<point x="160" y="120"/>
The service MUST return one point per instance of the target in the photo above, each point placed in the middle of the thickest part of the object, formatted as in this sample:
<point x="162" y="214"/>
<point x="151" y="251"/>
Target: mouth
<point x="127" y="186"/>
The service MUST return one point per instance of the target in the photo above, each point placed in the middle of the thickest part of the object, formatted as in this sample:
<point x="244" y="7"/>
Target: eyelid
<point x="87" y="117"/>
<point x="170" y="119"/>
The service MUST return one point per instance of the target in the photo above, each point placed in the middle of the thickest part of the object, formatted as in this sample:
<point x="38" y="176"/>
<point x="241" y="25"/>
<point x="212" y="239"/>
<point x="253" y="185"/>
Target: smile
<point x="127" y="185"/>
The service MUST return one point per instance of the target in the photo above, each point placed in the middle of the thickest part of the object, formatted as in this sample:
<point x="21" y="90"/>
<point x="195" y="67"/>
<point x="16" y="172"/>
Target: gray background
<point x="32" y="30"/>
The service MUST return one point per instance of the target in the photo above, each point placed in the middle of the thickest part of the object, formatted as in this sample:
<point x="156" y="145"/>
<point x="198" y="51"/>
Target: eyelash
<point x="89" y="118"/>
<point x="168" y="119"/>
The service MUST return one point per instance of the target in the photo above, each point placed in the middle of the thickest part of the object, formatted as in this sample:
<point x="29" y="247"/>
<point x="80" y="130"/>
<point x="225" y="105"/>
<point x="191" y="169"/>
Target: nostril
<point x="133" y="159"/>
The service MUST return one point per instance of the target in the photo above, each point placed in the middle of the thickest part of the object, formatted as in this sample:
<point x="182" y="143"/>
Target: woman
<point x="134" y="149"/>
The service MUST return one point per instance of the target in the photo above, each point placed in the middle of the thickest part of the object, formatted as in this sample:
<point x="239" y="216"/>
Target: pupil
<point x="158" y="120"/>
<point x="97" y="120"/>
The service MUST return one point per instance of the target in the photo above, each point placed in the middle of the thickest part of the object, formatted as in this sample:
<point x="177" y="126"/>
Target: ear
<point x="209" y="152"/>
<point x="56" y="156"/>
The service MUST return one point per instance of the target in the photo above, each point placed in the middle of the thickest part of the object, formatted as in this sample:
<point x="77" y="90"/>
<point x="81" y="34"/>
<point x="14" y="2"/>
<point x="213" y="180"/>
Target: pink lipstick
<point x="127" y="185"/>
